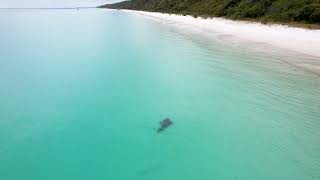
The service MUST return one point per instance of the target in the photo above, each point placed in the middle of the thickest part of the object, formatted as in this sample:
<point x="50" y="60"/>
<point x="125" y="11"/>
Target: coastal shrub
<point x="309" y="13"/>
<point x="315" y="16"/>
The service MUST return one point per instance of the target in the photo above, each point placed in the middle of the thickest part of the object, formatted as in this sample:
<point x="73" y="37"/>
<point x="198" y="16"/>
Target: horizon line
<point x="17" y="8"/>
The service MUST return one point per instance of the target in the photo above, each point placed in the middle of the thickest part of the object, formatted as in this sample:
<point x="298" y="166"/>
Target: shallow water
<point x="82" y="94"/>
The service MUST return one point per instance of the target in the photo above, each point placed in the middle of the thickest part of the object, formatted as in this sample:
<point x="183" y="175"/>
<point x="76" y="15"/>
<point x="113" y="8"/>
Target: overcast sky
<point x="51" y="3"/>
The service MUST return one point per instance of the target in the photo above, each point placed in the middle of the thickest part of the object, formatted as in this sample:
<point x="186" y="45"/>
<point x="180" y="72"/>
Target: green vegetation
<point x="288" y="11"/>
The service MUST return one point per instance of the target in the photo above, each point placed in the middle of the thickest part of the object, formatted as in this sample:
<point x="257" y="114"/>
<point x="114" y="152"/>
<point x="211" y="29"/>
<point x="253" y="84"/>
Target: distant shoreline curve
<point x="305" y="41"/>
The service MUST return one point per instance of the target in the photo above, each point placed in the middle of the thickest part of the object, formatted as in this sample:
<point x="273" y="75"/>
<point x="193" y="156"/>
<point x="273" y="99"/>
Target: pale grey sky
<point x="51" y="3"/>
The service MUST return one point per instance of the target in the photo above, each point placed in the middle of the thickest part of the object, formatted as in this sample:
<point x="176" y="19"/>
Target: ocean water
<point x="82" y="93"/>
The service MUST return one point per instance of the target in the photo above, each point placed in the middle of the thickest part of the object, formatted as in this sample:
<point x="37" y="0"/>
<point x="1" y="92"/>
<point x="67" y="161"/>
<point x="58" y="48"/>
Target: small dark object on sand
<point x="164" y="124"/>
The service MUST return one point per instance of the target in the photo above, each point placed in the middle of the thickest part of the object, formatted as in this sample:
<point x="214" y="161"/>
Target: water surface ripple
<point x="82" y="93"/>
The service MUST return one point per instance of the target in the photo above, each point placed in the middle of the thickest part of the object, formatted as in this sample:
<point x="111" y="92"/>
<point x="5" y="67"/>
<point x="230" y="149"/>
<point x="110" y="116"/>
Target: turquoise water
<point x="82" y="94"/>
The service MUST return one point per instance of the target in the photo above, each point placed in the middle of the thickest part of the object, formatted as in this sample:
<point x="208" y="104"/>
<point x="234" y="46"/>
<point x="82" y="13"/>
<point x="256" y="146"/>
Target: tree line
<point x="306" y="11"/>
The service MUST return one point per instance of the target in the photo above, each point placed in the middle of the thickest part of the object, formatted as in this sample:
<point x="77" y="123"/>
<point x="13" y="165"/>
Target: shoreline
<point x="304" y="41"/>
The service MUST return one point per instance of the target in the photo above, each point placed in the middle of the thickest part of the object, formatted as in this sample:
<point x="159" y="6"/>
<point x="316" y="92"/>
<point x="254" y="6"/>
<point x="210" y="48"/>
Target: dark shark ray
<point x="164" y="124"/>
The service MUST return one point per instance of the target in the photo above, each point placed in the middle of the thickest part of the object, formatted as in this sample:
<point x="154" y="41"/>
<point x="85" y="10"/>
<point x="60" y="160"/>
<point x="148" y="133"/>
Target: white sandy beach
<point x="291" y="38"/>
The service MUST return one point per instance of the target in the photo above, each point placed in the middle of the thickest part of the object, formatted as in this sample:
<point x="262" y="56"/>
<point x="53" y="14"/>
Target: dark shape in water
<point x="164" y="124"/>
